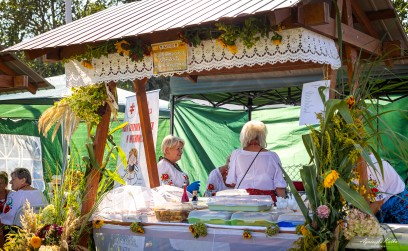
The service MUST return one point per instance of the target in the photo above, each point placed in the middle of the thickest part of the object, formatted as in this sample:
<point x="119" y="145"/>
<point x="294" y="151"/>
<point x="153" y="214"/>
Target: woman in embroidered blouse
<point x="22" y="192"/>
<point x="216" y="180"/>
<point x="389" y="195"/>
<point x="169" y="172"/>
<point x="254" y="168"/>
<point x="3" y="189"/>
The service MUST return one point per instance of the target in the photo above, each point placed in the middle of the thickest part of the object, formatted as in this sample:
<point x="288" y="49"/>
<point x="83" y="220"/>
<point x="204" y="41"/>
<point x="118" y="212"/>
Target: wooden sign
<point x="169" y="57"/>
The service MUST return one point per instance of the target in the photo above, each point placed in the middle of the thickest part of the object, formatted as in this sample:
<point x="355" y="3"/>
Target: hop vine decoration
<point x="198" y="229"/>
<point x="272" y="230"/>
<point x="86" y="103"/>
<point x="137" y="227"/>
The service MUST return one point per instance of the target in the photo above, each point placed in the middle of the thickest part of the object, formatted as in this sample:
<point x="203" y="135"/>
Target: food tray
<point x="171" y="215"/>
<point x="248" y="203"/>
<point x="210" y="217"/>
<point x="252" y="219"/>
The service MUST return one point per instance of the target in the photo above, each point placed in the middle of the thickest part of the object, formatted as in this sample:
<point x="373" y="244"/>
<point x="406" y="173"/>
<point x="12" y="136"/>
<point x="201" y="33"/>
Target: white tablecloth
<point x="169" y="237"/>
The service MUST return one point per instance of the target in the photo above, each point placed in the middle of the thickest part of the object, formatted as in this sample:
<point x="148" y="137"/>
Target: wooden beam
<point x="148" y="143"/>
<point x="279" y="15"/>
<point x="316" y="13"/>
<point x="351" y="36"/>
<point x="332" y="76"/>
<point x="381" y="14"/>
<point x="392" y="49"/>
<point x="93" y="177"/>
<point x="363" y="19"/>
<point x="6" y="81"/>
<point x="192" y="78"/>
<point x="7" y="70"/>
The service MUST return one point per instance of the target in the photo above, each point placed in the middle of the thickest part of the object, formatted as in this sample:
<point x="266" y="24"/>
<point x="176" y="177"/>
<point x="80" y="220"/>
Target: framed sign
<point x="169" y="56"/>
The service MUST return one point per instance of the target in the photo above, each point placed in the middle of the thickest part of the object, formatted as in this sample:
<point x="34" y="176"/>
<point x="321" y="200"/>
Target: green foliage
<point x="231" y="33"/>
<point x="198" y="229"/>
<point x="401" y="6"/>
<point x="21" y="20"/>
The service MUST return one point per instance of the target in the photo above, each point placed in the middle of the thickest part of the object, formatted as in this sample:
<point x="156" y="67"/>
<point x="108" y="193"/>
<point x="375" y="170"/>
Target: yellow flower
<point x="246" y="235"/>
<point x="97" y="224"/>
<point x="330" y="178"/>
<point x="221" y="42"/>
<point x="35" y="242"/>
<point x="87" y="64"/>
<point x="119" y="48"/>
<point x="323" y="247"/>
<point x="304" y="230"/>
<point x="277" y="41"/>
<point x="232" y="48"/>
<point x="140" y="230"/>
<point x="350" y="101"/>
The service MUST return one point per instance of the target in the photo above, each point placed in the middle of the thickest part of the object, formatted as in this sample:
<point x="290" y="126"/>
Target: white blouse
<point x="392" y="183"/>
<point x="215" y="183"/>
<point x="16" y="200"/>
<point x="169" y="175"/>
<point x="264" y="174"/>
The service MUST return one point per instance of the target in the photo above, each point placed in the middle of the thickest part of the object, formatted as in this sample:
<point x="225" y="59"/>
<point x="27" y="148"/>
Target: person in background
<point x="169" y="172"/>
<point x="216" y="179"/>
<point x="254" y="168"/>
<point x="389" y="195"/>
<point x="22" y="192"/>
<point x="3" y="189"/>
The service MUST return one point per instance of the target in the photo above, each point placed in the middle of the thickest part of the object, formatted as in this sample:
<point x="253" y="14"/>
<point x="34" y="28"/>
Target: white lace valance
<point x="297" y="44"/>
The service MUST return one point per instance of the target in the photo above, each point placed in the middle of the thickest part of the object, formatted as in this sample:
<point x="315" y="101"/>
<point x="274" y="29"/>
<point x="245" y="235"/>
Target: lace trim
<point x="297" y="44"/>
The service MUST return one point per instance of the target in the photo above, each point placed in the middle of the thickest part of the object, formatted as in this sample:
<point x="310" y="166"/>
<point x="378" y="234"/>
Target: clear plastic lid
<point x="232" y="192"/>
<point x="252" y="216"/>
<point x="175" y="206"/>
<point x="241" y="200"/>
<point x="207" y="215"/>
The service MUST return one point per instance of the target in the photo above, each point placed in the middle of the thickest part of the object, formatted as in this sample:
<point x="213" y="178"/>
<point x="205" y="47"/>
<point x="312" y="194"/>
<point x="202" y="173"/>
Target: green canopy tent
<point x="19" y="114"/>
<point x="212" y="132"/>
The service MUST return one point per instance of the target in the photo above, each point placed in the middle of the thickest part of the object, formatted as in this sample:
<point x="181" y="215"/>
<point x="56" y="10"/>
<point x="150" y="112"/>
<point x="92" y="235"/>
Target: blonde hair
<point x="4" y="176"/>
<point x="253" y="130"/>
<point x="170" y="141"/>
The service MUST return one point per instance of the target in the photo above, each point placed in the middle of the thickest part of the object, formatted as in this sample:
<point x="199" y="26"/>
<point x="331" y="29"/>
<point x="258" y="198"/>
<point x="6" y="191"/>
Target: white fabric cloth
<point x="215" y="183"/>
<point x="264" y="174"/>
<point x="169" y="175"/>
<point x="388" y="185"/>
<point x="16" y="200"/>
<point x="298" y="44"/>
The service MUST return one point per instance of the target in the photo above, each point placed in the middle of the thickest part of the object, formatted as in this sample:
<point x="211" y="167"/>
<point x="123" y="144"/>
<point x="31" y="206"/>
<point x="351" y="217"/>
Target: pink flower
<point x="323" y="212"/>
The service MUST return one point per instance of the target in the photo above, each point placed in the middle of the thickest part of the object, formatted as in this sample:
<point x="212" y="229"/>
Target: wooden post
<point x="331" y="75"/>
<point x="148" y="143"/>
<point x="92" y="181"/>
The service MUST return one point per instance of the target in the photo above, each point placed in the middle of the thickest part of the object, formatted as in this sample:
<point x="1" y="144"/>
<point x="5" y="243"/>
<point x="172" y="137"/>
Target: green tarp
<point x="211" y="134"/>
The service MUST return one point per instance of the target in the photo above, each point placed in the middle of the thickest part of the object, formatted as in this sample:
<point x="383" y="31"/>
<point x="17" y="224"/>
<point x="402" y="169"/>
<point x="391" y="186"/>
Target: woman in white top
<point x="169" y="172"/>
<point x="216" y="179"/>
<point x="254" y="168"/>
<point x="21" y="184"/>
<point x="390" y="203"/>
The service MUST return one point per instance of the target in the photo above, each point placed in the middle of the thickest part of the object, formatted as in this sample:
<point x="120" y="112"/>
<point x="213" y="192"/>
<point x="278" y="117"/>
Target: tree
<point x="401" y="7"/>
<point x="22" y="19"/>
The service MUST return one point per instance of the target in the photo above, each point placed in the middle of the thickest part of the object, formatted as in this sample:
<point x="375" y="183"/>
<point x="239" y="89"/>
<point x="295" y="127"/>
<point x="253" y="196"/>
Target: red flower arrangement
<point x="165" y="176"/>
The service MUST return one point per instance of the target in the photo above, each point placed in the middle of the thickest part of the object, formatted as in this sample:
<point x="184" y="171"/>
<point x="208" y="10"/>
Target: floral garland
<point x="198" y="229"/>
<point x="137" y="228"/>
<point x="250" y="31"/>
<point x="272" y="229"/>
<point x="97" y="224"/>
<point x="246" y="235"/>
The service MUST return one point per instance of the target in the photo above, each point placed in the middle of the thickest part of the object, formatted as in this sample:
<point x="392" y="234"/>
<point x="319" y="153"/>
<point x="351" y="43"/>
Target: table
<point x="168" y="237"/>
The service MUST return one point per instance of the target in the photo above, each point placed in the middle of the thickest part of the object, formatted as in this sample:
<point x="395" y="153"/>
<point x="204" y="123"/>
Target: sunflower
<point x="330" y="178"/>
<point x="120" y="48"/>
<point x="87" y="64"/>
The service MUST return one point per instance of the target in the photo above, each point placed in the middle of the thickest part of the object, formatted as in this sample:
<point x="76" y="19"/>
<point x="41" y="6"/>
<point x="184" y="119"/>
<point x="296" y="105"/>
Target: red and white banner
<point x="135" y="173"/>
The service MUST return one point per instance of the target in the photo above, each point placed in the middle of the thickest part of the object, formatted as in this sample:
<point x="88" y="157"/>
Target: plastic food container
<point x="248" y="203"/>
<point x="397" y="241"/>
<point x="210" y="217"/>
<point x="289" y="221"/>
<point x="173" y="212"/>
<point x="263" y="219"/>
